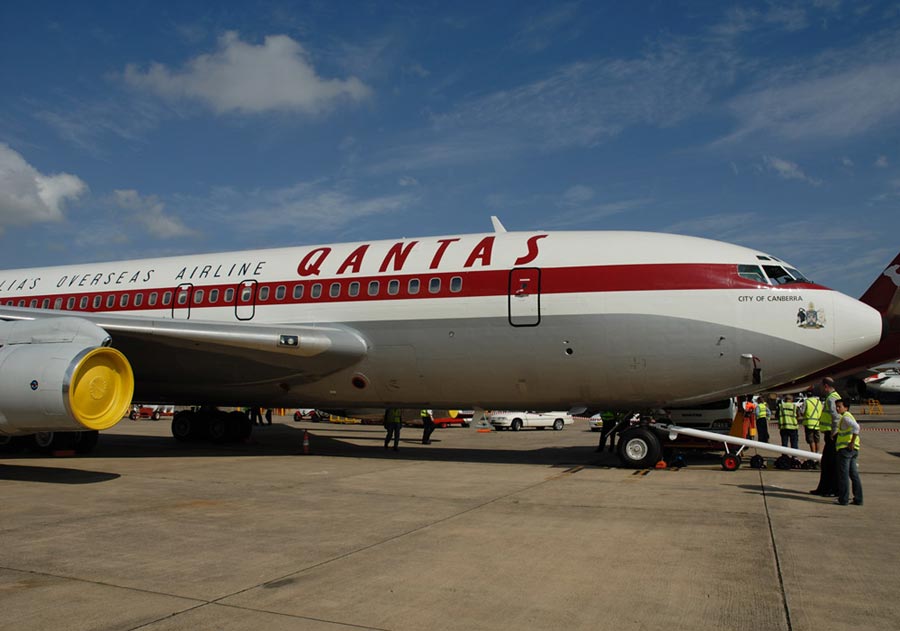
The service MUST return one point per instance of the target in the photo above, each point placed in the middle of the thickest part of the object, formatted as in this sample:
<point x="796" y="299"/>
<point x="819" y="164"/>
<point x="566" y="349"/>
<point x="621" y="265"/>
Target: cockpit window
<point x="778" y="275"/>
<point x="798" y="277"/>
<point x="752" y="272"/>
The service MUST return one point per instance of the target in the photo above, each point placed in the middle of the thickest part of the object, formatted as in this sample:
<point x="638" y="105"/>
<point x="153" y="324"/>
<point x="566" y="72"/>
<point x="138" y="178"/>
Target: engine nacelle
<point x="58" y="375"/>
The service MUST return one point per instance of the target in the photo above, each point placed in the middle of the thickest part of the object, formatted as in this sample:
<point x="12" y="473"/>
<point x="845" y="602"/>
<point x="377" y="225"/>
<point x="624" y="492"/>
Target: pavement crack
<point x="781" y="587"/>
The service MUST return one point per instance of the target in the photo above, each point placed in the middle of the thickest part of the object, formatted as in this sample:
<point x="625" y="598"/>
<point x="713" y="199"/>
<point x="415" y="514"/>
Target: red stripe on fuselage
<point x="474" y="283"/>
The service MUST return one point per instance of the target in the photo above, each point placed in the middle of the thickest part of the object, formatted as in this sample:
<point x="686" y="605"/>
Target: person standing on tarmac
<point x="427" y="426"/>
<point x="828" y="473"/>
<point x="846" y="446"/>
<point x="787" y="422"/>
<point x="810" y="412"/>
<point x="393" y="419"/>
<point x="762" y="420"/>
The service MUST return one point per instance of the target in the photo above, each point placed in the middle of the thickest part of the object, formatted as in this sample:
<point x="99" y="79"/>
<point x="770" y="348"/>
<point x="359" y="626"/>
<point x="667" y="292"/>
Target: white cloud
<point x="847" y="162"/>
<point x="578" y="194"/>
<point x="407" y="180"/>
<point x="150" y="213"/>
<point x="787" y="170"/>
<point x="819" y="102"/>
<point x="881" y="162"/>
<point x="240" y="77"/>
<point x="28" y="196"/>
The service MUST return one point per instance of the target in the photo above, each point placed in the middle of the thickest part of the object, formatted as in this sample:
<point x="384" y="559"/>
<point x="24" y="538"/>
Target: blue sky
<point x="133" y="129"/>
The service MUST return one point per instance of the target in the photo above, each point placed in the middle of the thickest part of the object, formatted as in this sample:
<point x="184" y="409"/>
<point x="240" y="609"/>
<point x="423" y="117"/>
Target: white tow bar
<point x="675" y="431"/>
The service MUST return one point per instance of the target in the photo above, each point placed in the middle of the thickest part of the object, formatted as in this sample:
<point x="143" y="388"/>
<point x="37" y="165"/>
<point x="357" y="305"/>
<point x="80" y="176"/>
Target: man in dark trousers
<point x="393" y="419"/>
<point x="828" y="474"/>
<point x="427" y="426"/>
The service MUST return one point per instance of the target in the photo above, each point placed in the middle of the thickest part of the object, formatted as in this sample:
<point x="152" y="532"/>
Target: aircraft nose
<point x="857" y="326"/>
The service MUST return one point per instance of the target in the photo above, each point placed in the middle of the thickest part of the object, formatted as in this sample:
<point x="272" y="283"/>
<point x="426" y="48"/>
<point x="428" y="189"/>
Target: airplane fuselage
<point x="540" y="320"/>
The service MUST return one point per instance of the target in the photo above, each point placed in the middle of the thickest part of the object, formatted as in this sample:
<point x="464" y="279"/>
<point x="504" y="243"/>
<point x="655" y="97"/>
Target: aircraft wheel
<point x="218" y="428"/>
<point x="516" y="424"/>
<point x="558" y="424"/>
<point x="239" y="427"/>
<point x="731" y="462"/>
<point x="639" y="448"/>
<point x="184" y="425"/>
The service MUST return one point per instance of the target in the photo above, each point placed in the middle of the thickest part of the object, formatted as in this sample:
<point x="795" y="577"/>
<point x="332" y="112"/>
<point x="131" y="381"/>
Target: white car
<point x="517" y="420"/>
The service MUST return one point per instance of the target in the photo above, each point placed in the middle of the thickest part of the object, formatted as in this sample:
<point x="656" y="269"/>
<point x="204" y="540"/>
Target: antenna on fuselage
<point x="498" y="227"/>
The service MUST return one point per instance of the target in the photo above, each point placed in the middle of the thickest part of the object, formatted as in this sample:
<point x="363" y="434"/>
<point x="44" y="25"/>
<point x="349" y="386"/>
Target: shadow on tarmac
<point x="53" y="475"/>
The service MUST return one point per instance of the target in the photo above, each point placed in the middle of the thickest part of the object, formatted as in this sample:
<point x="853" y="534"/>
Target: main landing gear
<point x="211" y="423"/>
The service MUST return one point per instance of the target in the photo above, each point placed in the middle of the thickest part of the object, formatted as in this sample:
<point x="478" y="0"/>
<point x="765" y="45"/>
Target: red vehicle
<point x="152" y="412"/>
<point x="451" y="422"/>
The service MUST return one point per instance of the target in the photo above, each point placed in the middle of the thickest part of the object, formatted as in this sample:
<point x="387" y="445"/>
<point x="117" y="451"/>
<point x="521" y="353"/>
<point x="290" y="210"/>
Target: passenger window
<point x="57" y="304"/>
<point x="263" y="293"/>
<point x="214" y="296"/>
<point x="353" y="289"/>
<point x="70" y="303"/>
<point x="316" y="291"/>
<point x="81" y="305"/>
<point x="123" y="301"/>
<point x="33" y="303"/>
<point x="298" y="291"/>
<point x="152" y="300"/>
<point x="229" y="295"/>
<point x="456" y="284"/>
<point x="139" y="299"/>
<point x="280" y="292"/>
<point x="413" y="286"/>
<point x="394" y="287"/>
<point x="752" y="272"/>
<point x="335" y="290"/>
<point x="198" y="296"/>
<point x="98" y="300"/>
<point x="45" y="303"/>
<point x="110" y="301"/>
<point x="246" y="293"/>
<point x="167" y="299"/>
<point x="374" y="287"/>
<point x="434" y="286"/>
<point x="182" y="297"/>
<point x="22" y="302"/>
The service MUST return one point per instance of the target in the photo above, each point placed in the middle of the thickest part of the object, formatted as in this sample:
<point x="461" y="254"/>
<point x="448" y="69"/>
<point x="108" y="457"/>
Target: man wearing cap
<point x="828" y="475"/>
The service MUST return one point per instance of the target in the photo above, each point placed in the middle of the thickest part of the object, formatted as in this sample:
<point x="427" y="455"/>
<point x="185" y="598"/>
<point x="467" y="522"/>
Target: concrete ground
<point x="504" y="530"/>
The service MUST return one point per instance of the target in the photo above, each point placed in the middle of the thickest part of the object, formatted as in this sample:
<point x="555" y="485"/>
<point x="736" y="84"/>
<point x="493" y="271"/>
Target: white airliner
<point x="511" y="320"/>
<point x="887" y="382"/>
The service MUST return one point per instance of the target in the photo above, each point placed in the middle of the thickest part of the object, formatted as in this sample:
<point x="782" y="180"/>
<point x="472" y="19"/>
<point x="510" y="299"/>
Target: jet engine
<point x="59" y="374"/>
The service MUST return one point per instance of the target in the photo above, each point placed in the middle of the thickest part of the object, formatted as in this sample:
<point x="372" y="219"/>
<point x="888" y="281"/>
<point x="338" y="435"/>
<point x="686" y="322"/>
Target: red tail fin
<point x="884" y="294"/>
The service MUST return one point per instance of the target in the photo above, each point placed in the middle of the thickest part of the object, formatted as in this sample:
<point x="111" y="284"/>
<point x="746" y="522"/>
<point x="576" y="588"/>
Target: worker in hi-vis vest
<point x="393" y="420"/>
<point x="828" y="474"/>
<point x="846" y="446"/>
<point x="811" y="414"/>
<point x="427" y="426"/>
<point x="787" y="422"/>
<point x="762" y="420"/>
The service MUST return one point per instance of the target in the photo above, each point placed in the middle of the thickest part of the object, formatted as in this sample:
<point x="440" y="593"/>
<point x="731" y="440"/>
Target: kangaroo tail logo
<point x="893" y="272"/>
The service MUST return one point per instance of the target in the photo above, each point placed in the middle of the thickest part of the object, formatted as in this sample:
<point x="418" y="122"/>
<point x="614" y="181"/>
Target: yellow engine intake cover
<point x="101" y="388"/>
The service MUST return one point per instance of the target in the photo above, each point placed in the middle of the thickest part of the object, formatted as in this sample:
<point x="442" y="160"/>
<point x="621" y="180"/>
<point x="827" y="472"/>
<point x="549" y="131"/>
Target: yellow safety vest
<point x="825" y="419"/>
<point x="812" y="412"/>
<point x="845" y="435"/>
<point x="762" y="410"/>
<point x="787" y="419"/>
<point x="395" y="415"/>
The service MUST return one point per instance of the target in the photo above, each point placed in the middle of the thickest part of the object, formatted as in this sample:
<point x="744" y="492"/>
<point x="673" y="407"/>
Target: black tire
<point x="516" y="424"/>
<point x="731" y="462"/>
<point x="48" y="442"/>
<point x="155" y="415"/>
<point x="184" y="425"/>
<point x="218" y="428"/>
<point x="133" y="415"/>
<point x="87" y="441"/>
<point x="558" y="424"/>
<point x="639" y="448"/>
<point x="298" y="417"/>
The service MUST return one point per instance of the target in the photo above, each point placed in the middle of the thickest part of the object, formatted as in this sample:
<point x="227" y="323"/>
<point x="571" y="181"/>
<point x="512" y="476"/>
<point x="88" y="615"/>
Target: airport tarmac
<point x="504" y="530"/>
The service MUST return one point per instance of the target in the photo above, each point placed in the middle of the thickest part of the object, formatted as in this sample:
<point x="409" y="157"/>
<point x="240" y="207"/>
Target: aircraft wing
<point x="204" y="352"/>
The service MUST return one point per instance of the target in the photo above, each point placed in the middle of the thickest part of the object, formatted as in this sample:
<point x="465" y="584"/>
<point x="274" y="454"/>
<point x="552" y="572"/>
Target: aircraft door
<point x="524" y="296"/>
<point x="245" y="300"/>
<point x="181" y="305"/>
